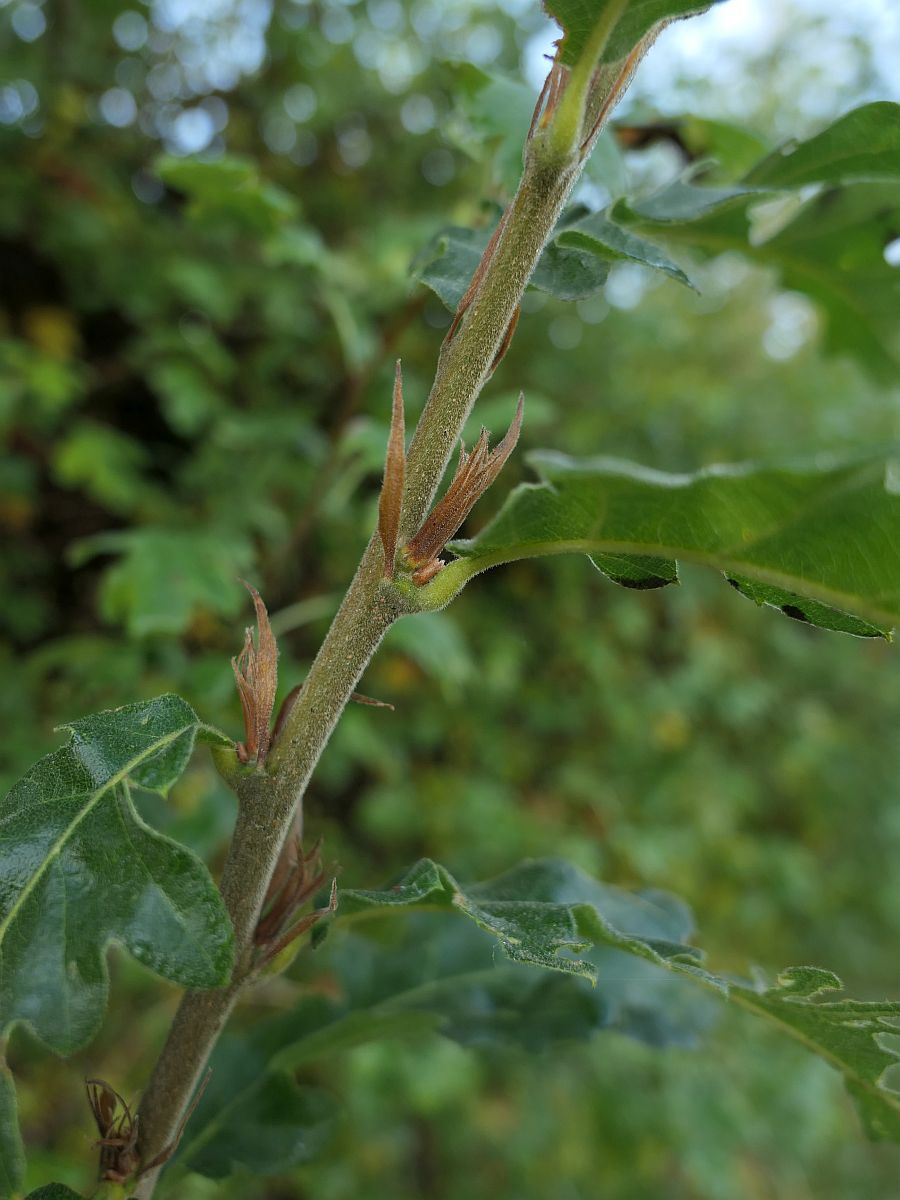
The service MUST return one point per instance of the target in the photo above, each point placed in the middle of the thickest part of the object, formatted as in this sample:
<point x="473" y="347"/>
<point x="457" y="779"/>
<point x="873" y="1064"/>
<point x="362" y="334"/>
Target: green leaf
<point x="228" y="190"/>
<point x="79" y="870"/>
<point x="448" y="262"/>
<point x="528" y="910"/>
<point x="829" y="246"/>
<point x="542" y="911"/>
<point x="569" y="272"/>
<point x="441" y="976"/>
<point x="12" y="1155"/>
<point x="164" y="578"/>
<point x="864" y="144"/>
<point x="734" y="149"/>
<point x="641" y="572"/>
<point x="267" y="1129"/>
<point x="825" y="532"/>
<point x="597" y="234"/>
<point x="801" y="609"/>
<point x="579" y="17"/>
<point x="494" y="113"/>
<point x="253" y="1115"/>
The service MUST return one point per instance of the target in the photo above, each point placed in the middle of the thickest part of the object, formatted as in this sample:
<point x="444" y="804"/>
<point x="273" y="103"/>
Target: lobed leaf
<point x="442" y="975"/>
<point x="542" y="911"/>
<point x="79" y="869"/>
<point x="818" y="540"/>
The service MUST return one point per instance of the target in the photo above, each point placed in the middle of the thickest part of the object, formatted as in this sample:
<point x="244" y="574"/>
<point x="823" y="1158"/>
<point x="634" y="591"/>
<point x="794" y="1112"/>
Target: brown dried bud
<point x="475" y="473"/>
<point x="296" y="879"/>
<point x="391" y="500"/>
<point x="256" y="674"/>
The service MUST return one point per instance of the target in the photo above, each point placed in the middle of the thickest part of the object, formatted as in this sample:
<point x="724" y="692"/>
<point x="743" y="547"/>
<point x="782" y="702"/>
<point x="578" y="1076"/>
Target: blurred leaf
<point x="104" y="463"/>
<point x="734" y="149"/>
<point x="12" y="1154"/>
<point x="228" y="189"/>
<point x="578" y="19"/>
<point x="165" y="577"/>
<point x="547" y="909"/>
<point x="830" y="246"/>
<point x="828" y="533"/>
<point x="864" y="144"/>
<point x="267" y="1129"/>
<point x="495" y="113"/>
<point x="64" y="824"/>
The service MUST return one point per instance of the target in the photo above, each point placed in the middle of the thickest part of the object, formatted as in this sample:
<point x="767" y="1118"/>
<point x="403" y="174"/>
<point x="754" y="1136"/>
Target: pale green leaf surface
<point x="826" y="532"/>
<point x="79" y="870"/>
<point x="579" y="17"/>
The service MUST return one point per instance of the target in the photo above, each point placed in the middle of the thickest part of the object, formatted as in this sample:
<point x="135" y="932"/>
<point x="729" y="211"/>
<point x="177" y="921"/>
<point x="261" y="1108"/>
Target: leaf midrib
<point x="94" y="798"/>
<point x="475" y="563"/>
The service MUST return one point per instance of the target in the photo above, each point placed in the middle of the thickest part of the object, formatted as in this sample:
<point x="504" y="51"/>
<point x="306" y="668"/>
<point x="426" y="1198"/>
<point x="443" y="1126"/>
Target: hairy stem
<point x="268" y="800"/>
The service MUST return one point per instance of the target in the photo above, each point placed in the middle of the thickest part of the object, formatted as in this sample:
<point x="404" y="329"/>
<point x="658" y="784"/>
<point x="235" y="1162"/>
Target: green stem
<point x="268" y="800"/>
<point x="567" y="128"/>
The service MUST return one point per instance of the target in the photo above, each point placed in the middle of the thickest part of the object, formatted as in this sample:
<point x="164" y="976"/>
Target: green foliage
<point x="438" y="977"/>
<point x="864" y="144"/>
<point x="798" y="533"/>
<point x="80" y="869"/>
<point x="574" y="266"/>
<point x="201" y="574"/>
<point x="829" y="246"/>
<point x="229" y="189"/>
<point x="543" y="912"/>
<point x="195" y="364"/>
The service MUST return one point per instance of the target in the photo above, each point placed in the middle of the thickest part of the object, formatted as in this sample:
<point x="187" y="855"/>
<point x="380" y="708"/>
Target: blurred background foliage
<point x="207" y="217"/>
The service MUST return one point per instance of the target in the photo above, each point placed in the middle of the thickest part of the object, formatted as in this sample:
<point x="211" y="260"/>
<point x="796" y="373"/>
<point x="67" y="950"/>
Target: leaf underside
<point x="820" y="541"/>
<point x="581" y="957"/>
<point x="548" y="913"/>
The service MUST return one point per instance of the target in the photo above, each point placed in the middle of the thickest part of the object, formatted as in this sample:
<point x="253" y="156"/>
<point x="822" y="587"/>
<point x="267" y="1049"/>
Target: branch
<point x="268" y="799"/>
